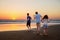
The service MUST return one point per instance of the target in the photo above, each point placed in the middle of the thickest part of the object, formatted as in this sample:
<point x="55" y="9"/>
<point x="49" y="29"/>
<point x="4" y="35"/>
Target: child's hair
<point x="36" y="12"/>
<point x="27" y="13"/>
<point x="45" y="17"/>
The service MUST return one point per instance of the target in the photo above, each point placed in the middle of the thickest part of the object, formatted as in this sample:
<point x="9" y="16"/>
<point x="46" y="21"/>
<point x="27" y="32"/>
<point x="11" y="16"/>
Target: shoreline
<point x="18" y="27"/>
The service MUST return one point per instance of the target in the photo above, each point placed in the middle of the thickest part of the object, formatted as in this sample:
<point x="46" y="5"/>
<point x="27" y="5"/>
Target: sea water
<point x="15" y="26"/>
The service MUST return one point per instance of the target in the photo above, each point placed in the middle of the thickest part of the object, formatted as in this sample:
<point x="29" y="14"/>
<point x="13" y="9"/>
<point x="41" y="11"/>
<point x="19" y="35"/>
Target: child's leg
<point x="37" y="27"/>
<point x="29" y="26"/>
<point x="45" y="31"/>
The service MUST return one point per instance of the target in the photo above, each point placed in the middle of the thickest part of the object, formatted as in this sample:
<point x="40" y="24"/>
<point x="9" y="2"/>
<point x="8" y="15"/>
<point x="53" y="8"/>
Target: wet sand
<point x="53" y="34"/>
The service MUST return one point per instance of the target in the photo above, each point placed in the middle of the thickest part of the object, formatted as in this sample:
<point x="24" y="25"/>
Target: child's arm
<point x="42" y="20"/>
<point x="34" y="16"/>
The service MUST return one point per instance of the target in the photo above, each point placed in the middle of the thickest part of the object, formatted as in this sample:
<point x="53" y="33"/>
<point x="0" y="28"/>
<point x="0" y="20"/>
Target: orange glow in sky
<point x="17" y="9"/>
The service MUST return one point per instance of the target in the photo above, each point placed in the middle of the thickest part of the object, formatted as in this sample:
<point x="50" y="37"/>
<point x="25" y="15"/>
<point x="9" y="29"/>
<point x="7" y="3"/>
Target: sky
<point x="17" y="9"/>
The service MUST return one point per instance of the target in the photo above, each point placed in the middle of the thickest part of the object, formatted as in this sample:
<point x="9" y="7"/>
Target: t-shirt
<point x="38" y="18"/>
<point x="28" y="19"/>
<point x="45" y="21"/>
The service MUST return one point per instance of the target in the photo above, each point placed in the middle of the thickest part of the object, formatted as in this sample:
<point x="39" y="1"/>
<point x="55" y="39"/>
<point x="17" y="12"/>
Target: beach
<point x="53" y="33"/>
<point x="16" y="16"/>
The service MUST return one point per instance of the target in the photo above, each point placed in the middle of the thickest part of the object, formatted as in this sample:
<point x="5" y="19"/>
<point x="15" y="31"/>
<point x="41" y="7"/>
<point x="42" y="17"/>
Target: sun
<point x="13" y="18"/>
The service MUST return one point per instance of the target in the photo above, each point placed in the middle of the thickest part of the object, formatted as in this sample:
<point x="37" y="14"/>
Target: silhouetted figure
<point x="28" y="22"/>
<point x="37" y="17"/>
<point x="45" y="24"/>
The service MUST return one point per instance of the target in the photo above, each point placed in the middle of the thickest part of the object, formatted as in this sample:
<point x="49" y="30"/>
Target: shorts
<point x="45" y="26"/>
<point x="28" y="23"/>
<point x="38" y="23"/>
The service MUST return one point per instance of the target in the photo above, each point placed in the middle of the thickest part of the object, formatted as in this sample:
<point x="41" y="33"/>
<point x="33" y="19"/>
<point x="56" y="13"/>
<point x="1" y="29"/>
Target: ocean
<point x="17" y="26"/>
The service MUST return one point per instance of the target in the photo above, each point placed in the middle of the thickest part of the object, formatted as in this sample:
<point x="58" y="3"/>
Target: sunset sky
<point x="17" y="9"/>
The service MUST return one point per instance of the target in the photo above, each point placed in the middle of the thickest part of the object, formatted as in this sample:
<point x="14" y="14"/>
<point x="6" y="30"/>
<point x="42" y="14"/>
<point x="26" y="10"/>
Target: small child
<point x="45" y="24"/>
<point x="28" y="22"/>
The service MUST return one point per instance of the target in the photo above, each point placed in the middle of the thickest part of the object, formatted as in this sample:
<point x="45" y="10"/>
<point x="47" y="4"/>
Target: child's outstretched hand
<point x="42" y="21"/>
